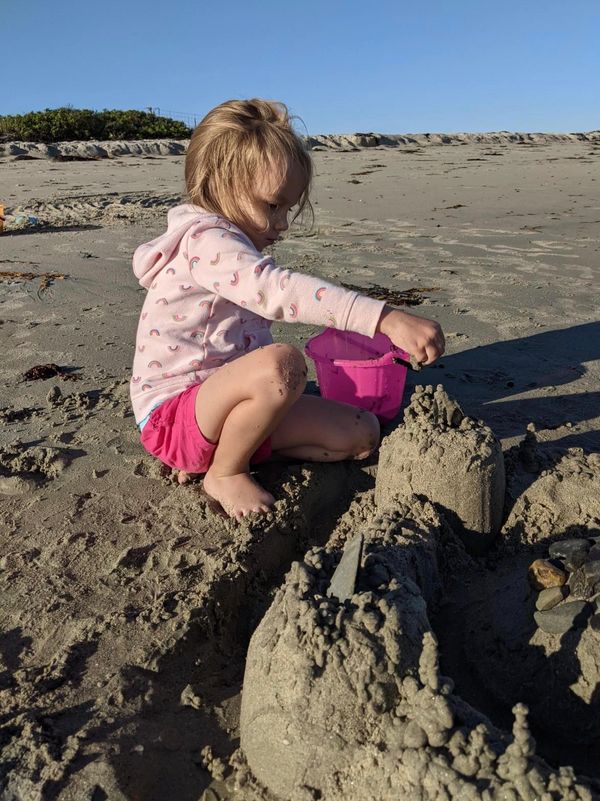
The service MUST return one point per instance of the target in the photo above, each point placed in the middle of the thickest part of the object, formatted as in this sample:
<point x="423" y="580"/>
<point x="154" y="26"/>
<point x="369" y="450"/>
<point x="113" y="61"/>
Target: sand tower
<point x="452" y="460"/>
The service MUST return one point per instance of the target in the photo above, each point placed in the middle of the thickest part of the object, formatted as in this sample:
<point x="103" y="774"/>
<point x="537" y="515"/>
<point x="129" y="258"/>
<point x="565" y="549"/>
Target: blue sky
<point x="393" y="67"/>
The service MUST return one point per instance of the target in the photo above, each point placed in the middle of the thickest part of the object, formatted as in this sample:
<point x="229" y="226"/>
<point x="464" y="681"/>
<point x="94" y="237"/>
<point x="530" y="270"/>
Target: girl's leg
<point x="321" y="430"/>
<point x="239" y="406"/>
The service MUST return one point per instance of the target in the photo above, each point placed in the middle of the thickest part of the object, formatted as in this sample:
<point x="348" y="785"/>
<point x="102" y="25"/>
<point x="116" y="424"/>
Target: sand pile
<point x="346" y="700"/>
<point x="564" y="499"/>
<point x="105" y="208"/>
<point x="452" y="460"/>
<point x="308" y="711"/>
<point x="515" y="641"/>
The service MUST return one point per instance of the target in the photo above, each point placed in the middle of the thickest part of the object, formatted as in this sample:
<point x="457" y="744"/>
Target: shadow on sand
<point x="488" y="381"/>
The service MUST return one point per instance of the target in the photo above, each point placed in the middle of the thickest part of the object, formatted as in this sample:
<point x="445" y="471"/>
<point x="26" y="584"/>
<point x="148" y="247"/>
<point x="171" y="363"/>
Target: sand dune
<point x="64" y="151"/>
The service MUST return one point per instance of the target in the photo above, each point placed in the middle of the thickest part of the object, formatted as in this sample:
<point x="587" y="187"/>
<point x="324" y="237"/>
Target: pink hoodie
<point x="212" y="297"/>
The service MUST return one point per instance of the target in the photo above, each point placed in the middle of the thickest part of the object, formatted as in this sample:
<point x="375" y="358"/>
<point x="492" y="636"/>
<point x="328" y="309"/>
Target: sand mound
<point x="339" y="688"/>
<point x="94" y="150"/>
<point x="548" y="659"/>
<point x="452" y="460"/>
<point x="91" y="151"/>
<point x="346" y="700"/>
<point x="563" y="501"/>
<point x="161" y="627"/>
<point x="358" y="141"/>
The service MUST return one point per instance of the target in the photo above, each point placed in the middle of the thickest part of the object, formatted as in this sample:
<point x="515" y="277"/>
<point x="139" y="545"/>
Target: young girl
<point x="210" y="391"/>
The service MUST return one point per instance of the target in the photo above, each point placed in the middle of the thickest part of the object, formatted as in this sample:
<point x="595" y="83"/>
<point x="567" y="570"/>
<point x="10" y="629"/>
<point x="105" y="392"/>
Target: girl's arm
<point x="422" y="338"/>
<point x="226" y="263"/>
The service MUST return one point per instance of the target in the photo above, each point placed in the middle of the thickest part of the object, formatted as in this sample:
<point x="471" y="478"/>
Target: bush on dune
<point x="70" y="125"/>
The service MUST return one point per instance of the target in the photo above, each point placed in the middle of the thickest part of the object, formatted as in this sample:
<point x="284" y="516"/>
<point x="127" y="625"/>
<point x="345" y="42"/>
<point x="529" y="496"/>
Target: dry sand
<point x="128" y="603"/>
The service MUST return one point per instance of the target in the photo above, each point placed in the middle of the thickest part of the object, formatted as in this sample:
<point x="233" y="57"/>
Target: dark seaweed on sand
<point x="405" y="297"/>
<point x="43" y="371"/>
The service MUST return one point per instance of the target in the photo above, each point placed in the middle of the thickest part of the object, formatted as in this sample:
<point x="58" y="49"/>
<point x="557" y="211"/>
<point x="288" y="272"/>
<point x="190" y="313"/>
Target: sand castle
<point x="454" y="461"/>
<point x="344" y="699"/>
<point x="341" y="688"/>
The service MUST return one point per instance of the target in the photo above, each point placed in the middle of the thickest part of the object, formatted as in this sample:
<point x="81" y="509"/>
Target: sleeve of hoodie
<point x="226" y="263"/>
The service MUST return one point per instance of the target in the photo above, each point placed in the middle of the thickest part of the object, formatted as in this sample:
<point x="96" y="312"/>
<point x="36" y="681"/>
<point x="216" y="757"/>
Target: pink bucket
<point x="359" y="370"/>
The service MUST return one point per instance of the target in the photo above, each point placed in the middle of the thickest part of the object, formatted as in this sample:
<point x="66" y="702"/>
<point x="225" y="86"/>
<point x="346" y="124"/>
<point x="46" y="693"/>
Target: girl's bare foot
<point x="238" y="494"/>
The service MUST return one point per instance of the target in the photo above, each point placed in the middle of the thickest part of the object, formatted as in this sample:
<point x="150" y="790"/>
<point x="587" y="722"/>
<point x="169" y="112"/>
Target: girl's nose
<point x="282" y="223"/>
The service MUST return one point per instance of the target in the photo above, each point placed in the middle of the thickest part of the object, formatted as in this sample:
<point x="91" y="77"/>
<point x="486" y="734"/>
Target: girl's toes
<point x="185" y="478"/>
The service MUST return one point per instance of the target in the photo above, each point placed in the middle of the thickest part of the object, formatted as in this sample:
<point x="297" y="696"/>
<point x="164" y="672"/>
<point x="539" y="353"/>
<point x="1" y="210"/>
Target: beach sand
<point x="128" y="601"/>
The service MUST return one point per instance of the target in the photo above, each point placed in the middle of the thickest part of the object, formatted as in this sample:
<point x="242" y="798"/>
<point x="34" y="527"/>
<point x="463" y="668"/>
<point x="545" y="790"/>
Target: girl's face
<point x="272" y="201"/>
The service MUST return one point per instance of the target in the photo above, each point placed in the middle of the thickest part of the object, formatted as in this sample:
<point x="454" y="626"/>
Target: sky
<point x="389" y="66"/>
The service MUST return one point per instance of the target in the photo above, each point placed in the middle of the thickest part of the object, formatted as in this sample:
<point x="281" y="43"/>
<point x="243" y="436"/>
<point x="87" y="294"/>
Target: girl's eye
<point x="273" y="206"/>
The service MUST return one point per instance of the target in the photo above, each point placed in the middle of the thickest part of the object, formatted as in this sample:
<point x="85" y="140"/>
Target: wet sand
<point x="128" y="602"/>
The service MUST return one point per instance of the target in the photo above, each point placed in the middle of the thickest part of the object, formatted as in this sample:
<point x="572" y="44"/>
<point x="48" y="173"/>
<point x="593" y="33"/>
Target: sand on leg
<point x="320" y="430"/>
<point x="238" y="407"/>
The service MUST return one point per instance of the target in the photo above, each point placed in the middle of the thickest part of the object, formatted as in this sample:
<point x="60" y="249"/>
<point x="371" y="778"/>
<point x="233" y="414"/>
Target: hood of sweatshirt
<point x="150" y="258"/>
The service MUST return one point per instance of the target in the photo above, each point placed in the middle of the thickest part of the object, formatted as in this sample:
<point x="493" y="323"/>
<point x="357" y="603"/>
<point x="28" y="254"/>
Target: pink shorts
<point x="172" y="435"/>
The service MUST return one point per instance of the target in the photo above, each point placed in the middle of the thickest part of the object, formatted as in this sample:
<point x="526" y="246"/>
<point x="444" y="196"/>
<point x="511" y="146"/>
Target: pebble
<point x="594" y="553"/>
<point x="592" y="570"/>
<point x="378" y="575"/>
<point x="543" y="574"/>
<point x="549" y="598"/>
<point x="190" y="698"/>
<point x="585" y="581"/>
<point x="572" y="552"/>
<point x="564" y="617"/>
<point x="210" y="794"/>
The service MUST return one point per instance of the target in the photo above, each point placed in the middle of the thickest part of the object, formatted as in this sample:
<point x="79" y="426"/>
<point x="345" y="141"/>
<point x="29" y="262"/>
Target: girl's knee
<point x="286" y="367"/>
<point x="368" y="434"/>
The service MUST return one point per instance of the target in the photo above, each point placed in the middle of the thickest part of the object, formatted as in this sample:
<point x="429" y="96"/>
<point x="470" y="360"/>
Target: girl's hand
<point x="422" y="338"/>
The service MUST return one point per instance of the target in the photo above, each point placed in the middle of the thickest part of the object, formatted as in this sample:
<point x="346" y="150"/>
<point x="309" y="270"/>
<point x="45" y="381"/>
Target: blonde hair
<point x="234" y="144"/>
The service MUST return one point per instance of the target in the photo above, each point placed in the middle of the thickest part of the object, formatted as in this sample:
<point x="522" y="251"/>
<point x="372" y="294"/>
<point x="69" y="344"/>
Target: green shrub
<point x="71" y="124"/>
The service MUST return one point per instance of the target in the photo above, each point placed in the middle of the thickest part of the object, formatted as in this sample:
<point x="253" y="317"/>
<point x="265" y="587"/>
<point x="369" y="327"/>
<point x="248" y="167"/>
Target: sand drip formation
<point x="343" y="693"/>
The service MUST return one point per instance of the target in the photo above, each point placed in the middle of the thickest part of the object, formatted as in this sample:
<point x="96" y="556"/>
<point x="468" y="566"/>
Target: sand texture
<point x="129" y="604"/>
